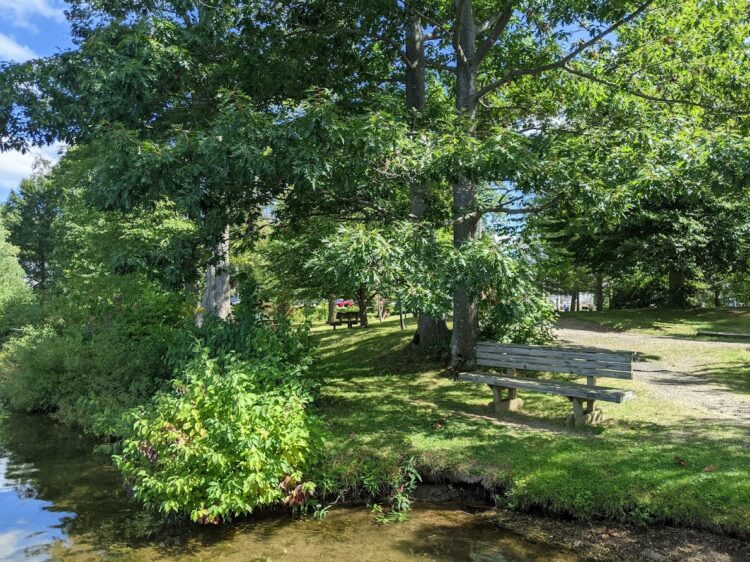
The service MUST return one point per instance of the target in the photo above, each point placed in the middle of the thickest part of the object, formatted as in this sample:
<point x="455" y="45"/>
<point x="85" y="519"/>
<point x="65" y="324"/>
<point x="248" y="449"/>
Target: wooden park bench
<point x="349" y="318"/>
<point x="591" y="363"/>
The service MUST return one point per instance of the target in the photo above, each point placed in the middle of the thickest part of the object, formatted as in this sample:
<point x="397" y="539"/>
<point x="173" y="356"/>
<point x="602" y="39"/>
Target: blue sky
<point x="29" y="29"/>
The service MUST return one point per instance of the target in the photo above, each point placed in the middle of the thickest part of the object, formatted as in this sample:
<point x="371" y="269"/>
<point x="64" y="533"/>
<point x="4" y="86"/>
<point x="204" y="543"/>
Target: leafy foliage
<point x="357" y="261"/>
<point x="96" y="343"/>
<point x="29" y="215"/>
<point x="91" y="360"/>
<point x="15" y="294"/>
<point x="512" y="309"/>
<point x="234" y="434"/>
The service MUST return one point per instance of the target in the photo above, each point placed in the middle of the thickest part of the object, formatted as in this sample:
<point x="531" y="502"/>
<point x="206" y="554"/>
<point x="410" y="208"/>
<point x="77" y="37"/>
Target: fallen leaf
<point x="710" y="468"/>
<point x="680" y="461"/>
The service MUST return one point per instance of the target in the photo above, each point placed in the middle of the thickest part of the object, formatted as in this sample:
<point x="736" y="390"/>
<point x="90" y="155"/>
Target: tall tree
<point x="432" y="332"/>
<point x="150" y="77"/>
<point x="513" y="71"/>
<point x="29" y="214"/>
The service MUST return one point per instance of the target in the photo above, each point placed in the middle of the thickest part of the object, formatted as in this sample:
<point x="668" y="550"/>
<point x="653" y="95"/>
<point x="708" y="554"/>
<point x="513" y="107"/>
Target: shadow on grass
<point x="734" y="376"/>
<point x="630" y="466"/>
<point x="375" y="350"/>
<point x="384" y="405"/>
<point x="660" y="320"/>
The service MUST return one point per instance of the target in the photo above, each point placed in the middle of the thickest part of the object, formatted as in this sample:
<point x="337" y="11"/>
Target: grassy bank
<point x="650" y="462"/>
<point x="668" y="322"/>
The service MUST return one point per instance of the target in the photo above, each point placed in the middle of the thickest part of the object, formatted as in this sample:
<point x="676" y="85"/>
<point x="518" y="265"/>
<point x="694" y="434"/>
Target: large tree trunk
<point x="416" y="90"/>
<point x="599" y="293"/>
<point x="432" y="332"/>
<point x="216" y="293"/>
<point x="361" y="297"/>
<point x="676" y="289"/>
<point x="382" y="307"/>
<point x="467" y="226"/>
<point x="331" y="309"/>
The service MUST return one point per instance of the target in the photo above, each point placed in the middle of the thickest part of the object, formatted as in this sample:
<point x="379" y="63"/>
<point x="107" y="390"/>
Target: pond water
<point x="59" y="501"/>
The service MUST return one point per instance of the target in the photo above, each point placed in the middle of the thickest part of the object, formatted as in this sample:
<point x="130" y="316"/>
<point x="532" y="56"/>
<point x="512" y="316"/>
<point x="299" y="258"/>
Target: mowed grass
<point x="668" y="322"/>
<point x="650" y="462"/>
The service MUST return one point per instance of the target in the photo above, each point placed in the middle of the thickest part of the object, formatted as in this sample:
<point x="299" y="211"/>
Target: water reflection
<point x="59" y="501"/>
<point x="27" y="524"/>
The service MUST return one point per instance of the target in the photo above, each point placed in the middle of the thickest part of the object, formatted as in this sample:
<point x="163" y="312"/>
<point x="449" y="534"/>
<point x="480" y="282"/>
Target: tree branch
<point x="496" y="25"/>
<point x="501" y="208"/>
<point x="434" y="23"/>
<point x="441" y="66"/>
<point x="671" y="101"/>
<point x="533" y="71"/>
<point x="435" y="34"/>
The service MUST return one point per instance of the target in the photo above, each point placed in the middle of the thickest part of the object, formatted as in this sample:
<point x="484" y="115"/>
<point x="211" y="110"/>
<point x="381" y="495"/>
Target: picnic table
<point x="349" y="317"/>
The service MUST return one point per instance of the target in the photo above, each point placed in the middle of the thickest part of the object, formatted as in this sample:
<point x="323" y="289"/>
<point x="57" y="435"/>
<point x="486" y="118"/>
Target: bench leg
<point x="510" y="404"/>
<point x="588" y="416"/>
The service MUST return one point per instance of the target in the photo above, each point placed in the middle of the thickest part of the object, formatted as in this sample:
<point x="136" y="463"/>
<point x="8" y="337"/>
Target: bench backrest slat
<point x="580" y="361"/>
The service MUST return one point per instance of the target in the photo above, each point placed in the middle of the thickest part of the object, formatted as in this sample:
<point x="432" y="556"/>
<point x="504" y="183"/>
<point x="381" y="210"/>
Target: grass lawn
<point x="650" y="461"/>
<point x="669" y="322"/>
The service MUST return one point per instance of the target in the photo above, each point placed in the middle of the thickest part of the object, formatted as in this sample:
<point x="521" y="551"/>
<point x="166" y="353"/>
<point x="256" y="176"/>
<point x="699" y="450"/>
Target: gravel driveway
<point x="672" y="367"/>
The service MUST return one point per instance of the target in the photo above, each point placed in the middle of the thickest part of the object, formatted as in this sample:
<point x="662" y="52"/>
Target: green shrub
<point x="234" y="434"/>
<point x="247" y="336"/>
<point x="639" y="290"/>
<point x="31" y="369"/>
<point x="95" y="356"/>
<point x="523" y="316"/>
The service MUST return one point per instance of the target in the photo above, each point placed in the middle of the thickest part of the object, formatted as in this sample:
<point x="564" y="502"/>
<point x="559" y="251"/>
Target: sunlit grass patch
<point x="650" y="461"/>
<point x="669" y="322"/>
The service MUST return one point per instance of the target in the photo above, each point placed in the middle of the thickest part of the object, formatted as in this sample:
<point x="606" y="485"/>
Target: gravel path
<point x="672" y="367"/>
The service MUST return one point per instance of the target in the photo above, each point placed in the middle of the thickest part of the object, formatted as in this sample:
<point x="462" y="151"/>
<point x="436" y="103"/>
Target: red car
<point x="341" y="303"/>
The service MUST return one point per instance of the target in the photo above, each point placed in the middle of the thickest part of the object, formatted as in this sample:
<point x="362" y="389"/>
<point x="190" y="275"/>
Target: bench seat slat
<point x="557" y="360"/>
<point x="580" y="348"/>
<point x="554" y="361"/>
<point x="581" y="370"/>
<point x="558" y="352"/>
<point x="560" y="388"/>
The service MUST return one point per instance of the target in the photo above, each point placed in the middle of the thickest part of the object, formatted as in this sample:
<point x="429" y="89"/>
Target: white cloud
<point x="15" y="166"/>
<point x="21" y="12"/>
<point x="10" y="50"/>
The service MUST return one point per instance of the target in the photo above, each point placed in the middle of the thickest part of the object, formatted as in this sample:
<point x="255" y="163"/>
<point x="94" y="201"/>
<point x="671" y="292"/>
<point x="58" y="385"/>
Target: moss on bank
<point x="650" y="462"/>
